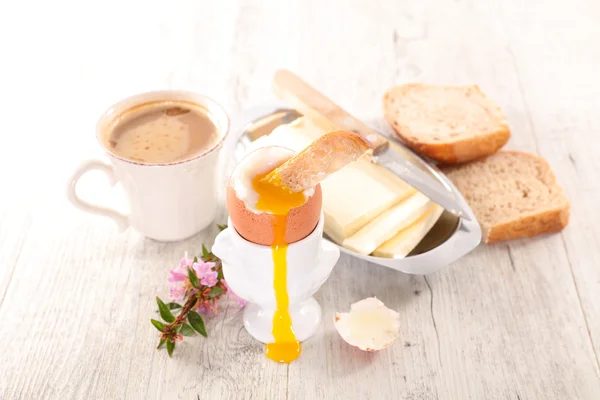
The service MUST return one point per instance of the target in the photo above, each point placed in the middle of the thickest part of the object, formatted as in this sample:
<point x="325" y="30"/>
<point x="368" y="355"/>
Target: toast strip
<point x="323" y="157"/>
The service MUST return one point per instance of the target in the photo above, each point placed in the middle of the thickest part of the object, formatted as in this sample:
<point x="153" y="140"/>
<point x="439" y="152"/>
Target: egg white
<point x="260" y="161"/>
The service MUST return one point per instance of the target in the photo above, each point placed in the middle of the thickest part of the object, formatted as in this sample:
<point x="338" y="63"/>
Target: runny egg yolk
<point x="278" y="202"/>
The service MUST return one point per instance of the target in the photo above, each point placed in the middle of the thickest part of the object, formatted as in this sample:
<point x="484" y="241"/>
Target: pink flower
<point x="180" y="272"/>
<point x="176" y="275"/>
<point x="241" y="302"/>
<point x="203" y="268"/>
<point x="204" y="271"/>
<point x="209" y="279"/>
<point x="186" y="261"/>
<point x="176" y="292"/>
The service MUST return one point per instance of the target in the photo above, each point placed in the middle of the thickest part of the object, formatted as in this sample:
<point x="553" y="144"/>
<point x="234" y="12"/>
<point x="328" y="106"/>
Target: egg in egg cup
<point x="273" y="252"/>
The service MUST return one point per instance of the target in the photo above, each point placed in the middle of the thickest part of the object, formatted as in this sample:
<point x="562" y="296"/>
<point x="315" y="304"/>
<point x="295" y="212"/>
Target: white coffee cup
<point x="168" y="202"/>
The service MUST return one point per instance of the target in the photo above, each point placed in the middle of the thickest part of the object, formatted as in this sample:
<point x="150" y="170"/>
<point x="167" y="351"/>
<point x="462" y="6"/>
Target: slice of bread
<point x="449" y="124"/>
<point x="513" y="195"/>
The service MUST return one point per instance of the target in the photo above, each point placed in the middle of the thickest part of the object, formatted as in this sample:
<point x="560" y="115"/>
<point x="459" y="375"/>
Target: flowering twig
<point x="200" y="283"/>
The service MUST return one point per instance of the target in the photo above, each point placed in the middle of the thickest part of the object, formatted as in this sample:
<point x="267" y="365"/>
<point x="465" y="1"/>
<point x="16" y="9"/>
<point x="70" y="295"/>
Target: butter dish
<point x="450" y="238"/>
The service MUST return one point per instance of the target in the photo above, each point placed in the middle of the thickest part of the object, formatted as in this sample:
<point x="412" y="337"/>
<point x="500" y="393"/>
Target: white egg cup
<point x="249" y="271"/>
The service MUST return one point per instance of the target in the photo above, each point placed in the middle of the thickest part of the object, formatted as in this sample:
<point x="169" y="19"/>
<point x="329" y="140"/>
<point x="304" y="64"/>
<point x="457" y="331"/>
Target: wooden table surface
<point x="517" y="320"/>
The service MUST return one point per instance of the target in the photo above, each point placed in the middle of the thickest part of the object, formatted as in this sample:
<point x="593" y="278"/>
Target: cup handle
<point x="121" y="220"/>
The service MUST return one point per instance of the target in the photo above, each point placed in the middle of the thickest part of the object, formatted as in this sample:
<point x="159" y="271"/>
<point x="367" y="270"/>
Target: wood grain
<point x="567" y="136"/>
<point x="517" y="320"/>
<point x="14" y="224"/>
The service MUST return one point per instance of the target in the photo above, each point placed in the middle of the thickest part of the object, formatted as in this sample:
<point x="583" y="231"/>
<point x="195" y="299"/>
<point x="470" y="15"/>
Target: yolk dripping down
<point x="278" y="202"/>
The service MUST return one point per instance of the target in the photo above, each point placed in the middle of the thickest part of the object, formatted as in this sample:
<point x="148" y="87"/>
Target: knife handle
<point x="309" y="102"/>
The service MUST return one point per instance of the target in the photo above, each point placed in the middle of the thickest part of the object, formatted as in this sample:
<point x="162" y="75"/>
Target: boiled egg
<point x="257" y="225"/>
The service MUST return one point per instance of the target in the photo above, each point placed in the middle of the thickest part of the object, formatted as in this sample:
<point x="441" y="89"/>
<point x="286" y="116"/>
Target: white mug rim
<point x="166" y="93"/>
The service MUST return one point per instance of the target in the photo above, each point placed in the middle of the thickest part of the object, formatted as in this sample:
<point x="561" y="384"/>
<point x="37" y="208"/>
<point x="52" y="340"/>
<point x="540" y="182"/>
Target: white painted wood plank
<point x="14" y="224"/>
<point x="65" y="291"/>
<point x="565" y="130"/>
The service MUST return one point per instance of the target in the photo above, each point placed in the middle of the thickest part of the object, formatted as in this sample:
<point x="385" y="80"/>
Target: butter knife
<point x="311" y="103"/>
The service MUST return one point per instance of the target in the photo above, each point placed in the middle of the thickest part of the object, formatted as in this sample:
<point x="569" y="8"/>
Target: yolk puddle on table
<point x="278" y="202"/>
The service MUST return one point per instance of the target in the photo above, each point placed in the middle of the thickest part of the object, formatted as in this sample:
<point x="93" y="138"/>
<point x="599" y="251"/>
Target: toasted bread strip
<point x="323" y="157"/>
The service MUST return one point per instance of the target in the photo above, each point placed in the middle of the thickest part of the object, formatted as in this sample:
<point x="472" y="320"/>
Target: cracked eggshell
<point x="369" y="325"/>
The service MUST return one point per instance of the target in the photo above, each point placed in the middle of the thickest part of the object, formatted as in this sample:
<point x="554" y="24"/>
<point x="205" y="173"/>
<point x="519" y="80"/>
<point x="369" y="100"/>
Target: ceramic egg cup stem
<point x="249" y="271"/>
<point x="305" y="315"/>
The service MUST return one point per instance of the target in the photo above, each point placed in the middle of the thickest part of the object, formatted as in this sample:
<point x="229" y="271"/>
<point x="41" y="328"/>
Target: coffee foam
<point x="162" y="132"/>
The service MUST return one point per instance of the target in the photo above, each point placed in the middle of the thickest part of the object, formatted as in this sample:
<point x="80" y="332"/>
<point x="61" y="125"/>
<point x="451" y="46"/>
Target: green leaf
<point x="170" y="347"/>
<point x="165" y="313"/>
<point x="161" y="343"/>
<point x="205" y="253"/>
<point x="193" y="277"/>
<point x="197" y="323"/>
<point x="220" y="274"/>
<point x="222" y="227"/>
<point x="195" y="259"/>
<point x="159" y="325"/>
<point x="187" y="330"/>
<point x="215" y="291"/>
<point x="174" y="306"/>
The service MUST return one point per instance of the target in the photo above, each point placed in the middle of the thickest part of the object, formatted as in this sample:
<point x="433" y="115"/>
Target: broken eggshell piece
<point x="369" y="325"/>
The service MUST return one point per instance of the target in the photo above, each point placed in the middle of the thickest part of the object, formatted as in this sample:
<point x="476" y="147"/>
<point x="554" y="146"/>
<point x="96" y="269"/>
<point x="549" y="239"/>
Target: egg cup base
<point x="248" y="269"/>
<point x="306" y="317"/>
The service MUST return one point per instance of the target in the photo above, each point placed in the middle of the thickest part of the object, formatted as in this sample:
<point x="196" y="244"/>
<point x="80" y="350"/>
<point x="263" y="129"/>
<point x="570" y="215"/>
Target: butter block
<point x="295" y="136"/>
<point x="388" y="224"/>
<point x="355" y="195"/>
<point x="406" y="240"/>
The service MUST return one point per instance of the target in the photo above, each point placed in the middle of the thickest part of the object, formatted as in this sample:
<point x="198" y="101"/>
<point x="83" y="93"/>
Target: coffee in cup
<point x="162" y="132"/>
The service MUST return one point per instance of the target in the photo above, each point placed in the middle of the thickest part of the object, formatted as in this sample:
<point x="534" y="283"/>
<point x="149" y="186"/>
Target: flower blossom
<point x="180" y="272"/>
<point x="205" y="273"/>
<point x="176" y="292"/>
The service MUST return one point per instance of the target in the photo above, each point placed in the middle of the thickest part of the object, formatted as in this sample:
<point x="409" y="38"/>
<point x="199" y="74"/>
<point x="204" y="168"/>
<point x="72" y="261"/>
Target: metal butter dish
<point x="449" y="239"/>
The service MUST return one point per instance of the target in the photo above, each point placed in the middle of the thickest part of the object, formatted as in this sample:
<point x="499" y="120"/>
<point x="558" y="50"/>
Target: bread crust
<point x="549" y="221"/>
<point x="453" y="151"/>
<point x="460" y="151"/>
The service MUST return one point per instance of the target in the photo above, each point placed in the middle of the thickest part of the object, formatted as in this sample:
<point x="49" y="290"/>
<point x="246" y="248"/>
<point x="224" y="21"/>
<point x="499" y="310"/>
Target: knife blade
<point x="420" y="180"/>
<point x="308" y="101"/>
